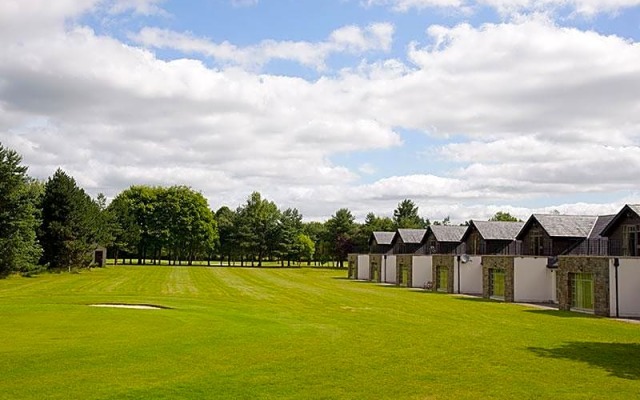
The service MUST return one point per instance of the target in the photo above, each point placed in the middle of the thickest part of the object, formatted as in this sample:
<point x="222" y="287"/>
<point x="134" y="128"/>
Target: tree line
<point x="56" y="225"/>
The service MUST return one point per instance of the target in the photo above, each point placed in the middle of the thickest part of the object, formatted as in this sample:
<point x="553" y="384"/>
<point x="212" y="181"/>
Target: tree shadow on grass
<point x="619" y="359"/>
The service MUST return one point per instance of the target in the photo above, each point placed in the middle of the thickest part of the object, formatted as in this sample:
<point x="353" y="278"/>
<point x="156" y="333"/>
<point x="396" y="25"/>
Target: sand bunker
<point x="134" y="306"/>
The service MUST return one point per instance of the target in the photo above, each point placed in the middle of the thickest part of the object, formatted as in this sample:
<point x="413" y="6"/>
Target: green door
<point x="442" y="279"/>
<point x="582" y="291"/>
<point x="496" y="283"/>
<point x="405" y="276"/>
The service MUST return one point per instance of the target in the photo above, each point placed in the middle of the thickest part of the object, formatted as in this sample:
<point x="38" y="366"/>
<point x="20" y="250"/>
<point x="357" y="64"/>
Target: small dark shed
<point x="380" y="242"/>
<point x="443" y="239"/>
<point x="408" y="241"/>
<point x="623" y="232"/>
<point x="491" y="237"/>
<point x="555" y="234"/>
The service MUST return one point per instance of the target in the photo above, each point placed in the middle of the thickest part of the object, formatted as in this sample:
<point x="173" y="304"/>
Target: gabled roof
<point x="495" y="230"/>
<point x="382" y="238"/>
<point x="447" y="233"/>
<point x="410" y="235"/>
<point x="628" y="208"/>
<point x="601" y="223"/>
<point x="557" y="225"/>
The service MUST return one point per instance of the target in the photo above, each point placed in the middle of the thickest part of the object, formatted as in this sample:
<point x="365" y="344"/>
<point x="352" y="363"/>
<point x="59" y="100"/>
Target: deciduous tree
<point x="340" y="230"/>
<point x="504" y="216"/>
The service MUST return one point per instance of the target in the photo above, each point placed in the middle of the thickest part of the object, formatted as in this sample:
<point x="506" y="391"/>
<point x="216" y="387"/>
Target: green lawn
<point x="295" y="333"/>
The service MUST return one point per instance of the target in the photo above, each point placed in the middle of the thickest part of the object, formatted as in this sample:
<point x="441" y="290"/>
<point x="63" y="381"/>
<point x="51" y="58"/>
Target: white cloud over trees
<point x="536" y="109"/>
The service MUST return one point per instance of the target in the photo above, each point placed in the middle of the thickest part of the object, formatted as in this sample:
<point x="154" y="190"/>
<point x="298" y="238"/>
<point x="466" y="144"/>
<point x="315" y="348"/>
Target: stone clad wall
<point x="599" y="267"/>
<point x="498" y="262"/>
<point x="443" y="260"/>
<point x="404" y="264"/>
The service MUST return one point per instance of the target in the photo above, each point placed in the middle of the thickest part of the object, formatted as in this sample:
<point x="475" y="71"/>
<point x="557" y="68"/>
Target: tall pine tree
<point x="19" y="249"/>
<point x="70" y="219"/>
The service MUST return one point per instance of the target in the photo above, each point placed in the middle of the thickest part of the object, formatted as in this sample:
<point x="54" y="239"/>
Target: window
<point x="537" y="243"/>
<point x="581" y="291"/>
<point x="475" y="242"/>
<point x="442" y="279"/>
<point x="630" y="240"/>
<point x="496" y="283"/>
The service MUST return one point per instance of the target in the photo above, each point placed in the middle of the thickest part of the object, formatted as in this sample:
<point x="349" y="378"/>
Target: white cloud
<point x="114" y="115"/>
<point x="582" y="7"/>
<point x="529" y="77"/>
<point x="406" y="5"/>
<point x="367" y="169"/>
<point x="143" y="7"/>
<point x="42" y="16"/>
<point x="538" y="111"/>
<point x="511" y="7"/>
<point x="244" y="3"/>
<point x="349" y="39"/>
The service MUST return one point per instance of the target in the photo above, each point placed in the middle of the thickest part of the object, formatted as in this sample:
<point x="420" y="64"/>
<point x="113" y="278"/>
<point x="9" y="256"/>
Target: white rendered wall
<point x="554" y="286"/>
<point x="388" y="269"/>
<point x="533" y="281"/>
<point x="470" y="276"/>
<point x="628" y="287"/>
<point x="421" y="271"/>
<point x="363" y="267"/>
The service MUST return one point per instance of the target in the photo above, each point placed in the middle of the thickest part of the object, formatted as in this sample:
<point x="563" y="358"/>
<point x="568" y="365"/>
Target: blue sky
<point x="465" y="107"/>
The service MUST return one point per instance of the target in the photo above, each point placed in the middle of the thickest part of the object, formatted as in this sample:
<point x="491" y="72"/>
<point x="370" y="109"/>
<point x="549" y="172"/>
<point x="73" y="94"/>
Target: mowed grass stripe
<point x="295" y="333"/>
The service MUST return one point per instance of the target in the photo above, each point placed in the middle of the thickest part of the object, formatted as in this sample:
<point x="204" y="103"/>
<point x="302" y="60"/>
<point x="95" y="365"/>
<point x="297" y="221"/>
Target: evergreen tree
<point x="406" y="216"/>
<point x="372" y="223"/>
<point x="19" y="216"/>
<point x="257" y="226"/>
<point x="70" y="224"/>
<point x="288" y="238"/>
<point x="225" y="217"/>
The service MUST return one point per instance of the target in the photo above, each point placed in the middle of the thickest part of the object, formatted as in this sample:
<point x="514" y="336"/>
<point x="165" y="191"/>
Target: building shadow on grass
<point x="618" y="359"/>
<point x="561" y="314"/>
<point x="478" y="299"/>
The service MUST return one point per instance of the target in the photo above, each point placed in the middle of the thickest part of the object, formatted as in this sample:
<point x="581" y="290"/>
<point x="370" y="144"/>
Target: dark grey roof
<point x="498" y="230"/>
<point x="578" y="226"/>
<point x="635" y="208"/>
<point x="383" y="237"/>
<point x="601" y="223"/>
<point x="448" y="233"/>
<point x="411" y="235"/>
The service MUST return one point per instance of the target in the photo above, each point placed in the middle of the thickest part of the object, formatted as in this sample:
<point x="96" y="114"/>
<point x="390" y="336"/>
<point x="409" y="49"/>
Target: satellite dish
<point x="465" y="258"/>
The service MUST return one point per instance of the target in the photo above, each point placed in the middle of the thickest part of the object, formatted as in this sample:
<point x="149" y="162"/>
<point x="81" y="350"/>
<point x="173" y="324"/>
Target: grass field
<point x="242" y="333"/>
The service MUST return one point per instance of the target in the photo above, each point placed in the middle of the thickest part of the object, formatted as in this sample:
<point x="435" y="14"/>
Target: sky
<point x="466" y="107"/>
